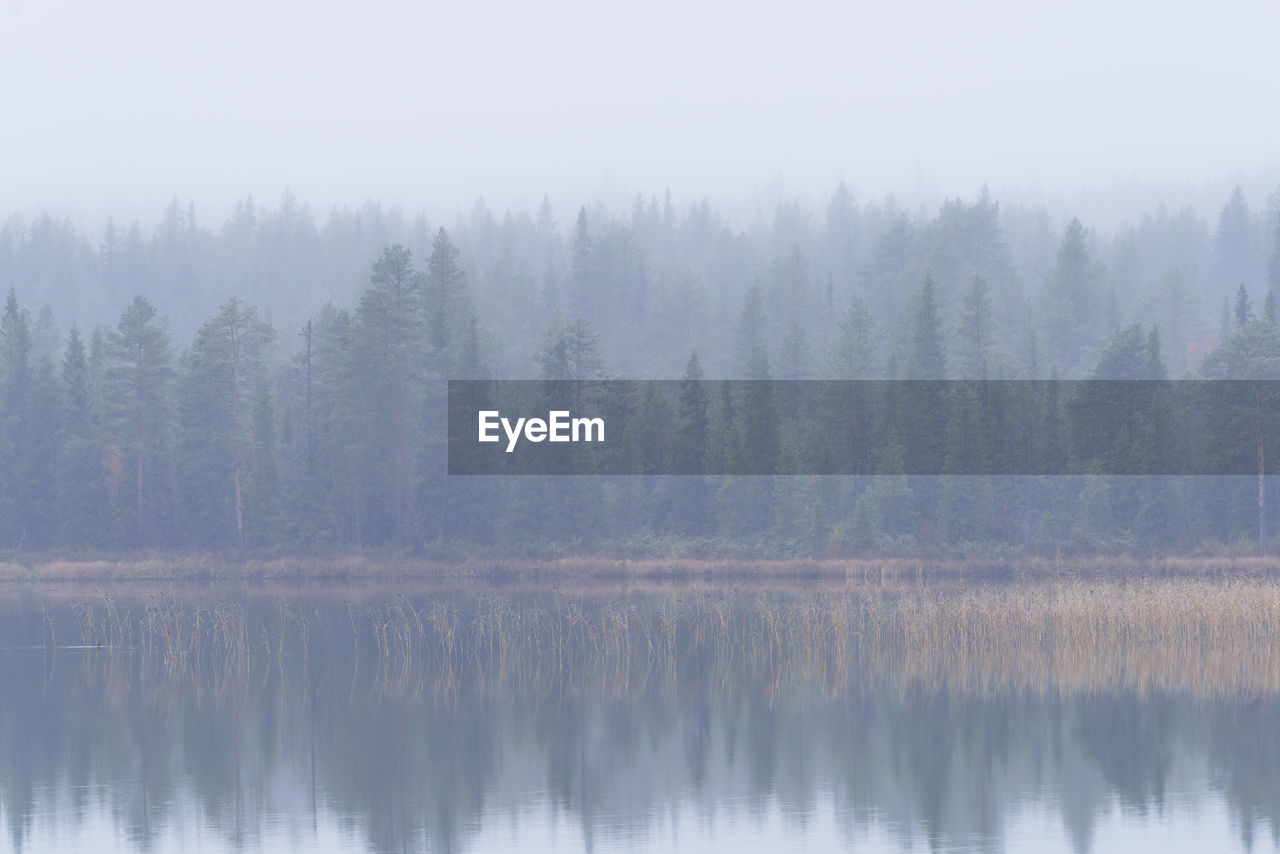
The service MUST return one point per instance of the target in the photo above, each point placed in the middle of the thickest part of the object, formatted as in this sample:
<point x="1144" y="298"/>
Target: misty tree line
<point x="325" y="431"/>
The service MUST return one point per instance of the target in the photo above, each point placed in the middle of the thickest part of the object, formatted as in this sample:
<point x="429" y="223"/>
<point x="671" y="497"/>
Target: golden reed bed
<point x="1209" y="638"/>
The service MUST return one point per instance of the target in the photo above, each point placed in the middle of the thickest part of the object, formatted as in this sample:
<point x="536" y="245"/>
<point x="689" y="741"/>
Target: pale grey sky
<point x="118" y="106"/>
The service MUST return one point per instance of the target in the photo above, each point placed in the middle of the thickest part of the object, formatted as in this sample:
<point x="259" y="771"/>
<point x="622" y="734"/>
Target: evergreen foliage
<point x="178" y="423"/>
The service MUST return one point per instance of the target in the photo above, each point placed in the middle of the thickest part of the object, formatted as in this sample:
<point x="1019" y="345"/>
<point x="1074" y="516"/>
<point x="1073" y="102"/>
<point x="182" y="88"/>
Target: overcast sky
<point x="118" y="106"/>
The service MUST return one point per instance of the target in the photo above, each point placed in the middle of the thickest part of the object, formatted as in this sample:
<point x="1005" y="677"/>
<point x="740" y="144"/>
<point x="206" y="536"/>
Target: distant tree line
<point x="326" y="431"/>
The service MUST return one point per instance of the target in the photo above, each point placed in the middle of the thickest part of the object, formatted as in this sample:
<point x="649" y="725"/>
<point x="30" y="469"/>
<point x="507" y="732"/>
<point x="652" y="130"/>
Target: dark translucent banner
<point x="997" y="427"/>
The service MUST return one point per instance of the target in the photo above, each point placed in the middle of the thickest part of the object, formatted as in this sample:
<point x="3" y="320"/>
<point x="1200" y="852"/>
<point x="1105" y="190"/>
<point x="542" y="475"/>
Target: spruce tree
<point x="1273" y="266"/>
<point x="1074" y="307"/>
<point x="15" y="377"/>
<point x="926" y="359"/>
<point x="224" y="370"/>
<point x="1233" y="242"/>
<point x="854" y="348"/>
<point x="138" y="370"/>
<point x="976" y="330"/>
<point x="82" y="502"/>
<point x="392" y="364"/>
<point x="446" y="303"/>
<point x="1243" y="310"/>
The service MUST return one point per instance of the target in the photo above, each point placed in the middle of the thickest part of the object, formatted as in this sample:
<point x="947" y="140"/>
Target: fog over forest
<point x="275" y="381"/>
<point x="659" y="277"/>
<point x="196" y="358"/>
<point x="927" y="361"/>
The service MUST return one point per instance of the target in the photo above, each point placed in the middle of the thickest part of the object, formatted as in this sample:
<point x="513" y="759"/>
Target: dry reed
<point x="1206" y="638"/>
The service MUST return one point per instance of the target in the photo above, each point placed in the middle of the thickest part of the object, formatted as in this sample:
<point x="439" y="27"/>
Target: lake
<point x="1083" y="715"/>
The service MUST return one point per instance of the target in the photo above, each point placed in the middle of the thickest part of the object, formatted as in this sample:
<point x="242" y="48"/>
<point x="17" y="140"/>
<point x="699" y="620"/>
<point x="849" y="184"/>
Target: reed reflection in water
<point x="922" y="717"/>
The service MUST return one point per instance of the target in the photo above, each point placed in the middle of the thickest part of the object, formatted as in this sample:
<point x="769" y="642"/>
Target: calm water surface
<point x="1067" y="718"/>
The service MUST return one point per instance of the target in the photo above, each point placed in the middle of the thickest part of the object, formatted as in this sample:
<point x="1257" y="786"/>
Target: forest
<point x="277" y="385"/>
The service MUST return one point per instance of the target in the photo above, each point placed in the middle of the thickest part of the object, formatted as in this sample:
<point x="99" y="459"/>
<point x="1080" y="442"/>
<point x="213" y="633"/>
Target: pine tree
<point x="925" y="402"/>
<point x="82" y="501"/>
<point x="1243" y="308"/>
<point x="138" y="370"/>
<point x="1155" y="367"/>
<point x="571" y="351"/>
<point x="693" y="421"/>
<point x="854" y="348"/>
<point x="1233" y="242"/>
<point x="761" y="445"/>
<point x="752" y="349"/>
<point x="1243" y="424"/>
<point x="582" y="349"/>
<point x="1074" y="307"/>
<point x="546" y="219"/>
<point x="553" y="358"/>
<point x="791" y="297"/>
<point x="15" y="374"/>
<point x="841" y="237"/>
<point x="39" y="469"/>
<point x="1273" y="266"/>
<point x="349" y="458"/>
<point x="262" y="486"/>
<point x="926" y="360"/>
<point x="976" y="330"/>
<point x="582" y="284"/>
<point x="223" y="372"/>
<point x="392" y="339"/>
<point x="648" y="430"/>
<point x="447" y="305"/>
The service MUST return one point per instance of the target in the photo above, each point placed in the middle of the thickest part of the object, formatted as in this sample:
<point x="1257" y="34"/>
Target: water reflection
<point x="451" y="721"/>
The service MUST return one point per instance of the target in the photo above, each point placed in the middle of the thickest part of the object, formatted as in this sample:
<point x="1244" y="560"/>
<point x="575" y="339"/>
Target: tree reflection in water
<point x="936" y="716"/>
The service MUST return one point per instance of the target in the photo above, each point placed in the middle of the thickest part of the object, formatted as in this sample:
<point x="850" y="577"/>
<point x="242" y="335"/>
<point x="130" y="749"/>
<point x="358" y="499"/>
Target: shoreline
<point x="205" y="568"/>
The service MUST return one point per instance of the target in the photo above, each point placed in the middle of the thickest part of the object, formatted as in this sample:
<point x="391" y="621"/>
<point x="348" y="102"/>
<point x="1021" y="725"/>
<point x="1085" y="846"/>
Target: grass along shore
<point x="1206" y="637"/>
<point x="379" y="568"/>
